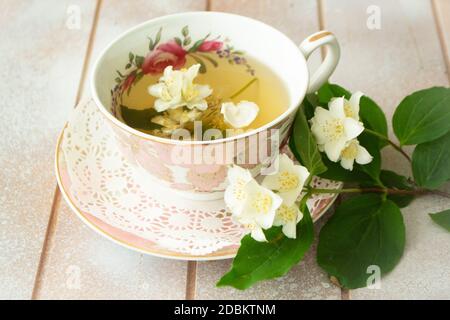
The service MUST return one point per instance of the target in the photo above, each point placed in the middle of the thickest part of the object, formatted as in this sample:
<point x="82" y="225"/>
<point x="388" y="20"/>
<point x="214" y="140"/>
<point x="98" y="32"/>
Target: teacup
<point x="197" y="169"/>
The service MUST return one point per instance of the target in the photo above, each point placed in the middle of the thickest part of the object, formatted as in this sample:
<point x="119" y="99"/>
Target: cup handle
<point x="309" y="45"/>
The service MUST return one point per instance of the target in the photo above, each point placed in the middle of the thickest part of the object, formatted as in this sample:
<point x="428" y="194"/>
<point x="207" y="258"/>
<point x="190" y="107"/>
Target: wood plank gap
<point x="191" y="280"/>
<point x="345" y="294"/>
<point x="48" y="235"/>
<point x="191" y="273"/>
<point x="440" y="31"/>
<point x="51" y="226"/>
<point x="87" y="56"/>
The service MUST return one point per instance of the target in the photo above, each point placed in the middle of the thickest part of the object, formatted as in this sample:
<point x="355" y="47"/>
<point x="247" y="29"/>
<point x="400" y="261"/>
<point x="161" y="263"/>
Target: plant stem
<point x="440" y="193"/>
<point x="392" y="143"/>
<point x="380" y="190"/>
<point x="234" y="95"/>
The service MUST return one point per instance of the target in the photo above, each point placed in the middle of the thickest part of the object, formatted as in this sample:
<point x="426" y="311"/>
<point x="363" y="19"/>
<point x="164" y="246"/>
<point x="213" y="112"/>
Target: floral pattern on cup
<point x="206" y="177"/>
<point x="166" y="54"/>
<point x="173" y="52"/>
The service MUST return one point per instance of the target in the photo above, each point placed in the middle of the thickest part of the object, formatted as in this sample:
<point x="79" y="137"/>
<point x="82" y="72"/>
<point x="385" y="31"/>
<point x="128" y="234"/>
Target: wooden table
<point x="45" y="65"/>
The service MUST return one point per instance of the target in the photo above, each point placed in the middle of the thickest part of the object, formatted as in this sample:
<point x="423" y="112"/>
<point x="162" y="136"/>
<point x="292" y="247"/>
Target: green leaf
<point x="128" y="66"/>
<point x="139" y="119"/>
<point x="151" y="45"/>
<point x="187" y="41"/>
<point x="178" y="41"/>
<point x="256" y="261"/>
<point x="393" y="180"/>
<point x="185" y="31"/>
<point x="197" y="44"/>
<point x="329" y="91"/>
<point x="304" y="145"/>
<point x="373" y="118"/>
<point x="200" y="61"/>
<point x="157" y="37"/>
<point x="431" y="162"/>
<point x="373" y="168"/>
<point x="131" y="57"/>
<point x="442" y="218"/>
<point x="336" y="172"/>
<point x="213" y="62"/>
<point x="423" y="116"/>
<point x="364" y="231"/>
<point x="139" y="61"/>
<point x="293" y="149"/>
<point x="309" y="105"/>
<point x="139" y="76"/>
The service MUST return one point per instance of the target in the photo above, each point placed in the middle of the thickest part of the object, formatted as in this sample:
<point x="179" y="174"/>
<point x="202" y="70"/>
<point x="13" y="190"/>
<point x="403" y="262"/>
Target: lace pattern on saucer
<point x="105" y="185"/>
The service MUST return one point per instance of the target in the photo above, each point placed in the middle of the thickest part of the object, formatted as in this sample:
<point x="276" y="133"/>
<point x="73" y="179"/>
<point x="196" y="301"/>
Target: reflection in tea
<point x="225" y="96"/>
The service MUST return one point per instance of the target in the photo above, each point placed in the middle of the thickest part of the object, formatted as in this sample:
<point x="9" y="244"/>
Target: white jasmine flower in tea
<point x="207" y="73"/>
<point x="333" y="129"/>
<point x="176" y="89"/>
<point x="194" y="95"/>
<point x="239" y="115"/>
<point x="288" y="181"/>
<point x="168" y="90"/>
<point x="354" y="152"/>
<point x="288" y="217"/>
<point x="184" y="116"/>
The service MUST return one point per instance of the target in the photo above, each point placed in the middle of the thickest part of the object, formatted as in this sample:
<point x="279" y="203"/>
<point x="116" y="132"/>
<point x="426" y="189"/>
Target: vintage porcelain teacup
<point x="197" y="169"/>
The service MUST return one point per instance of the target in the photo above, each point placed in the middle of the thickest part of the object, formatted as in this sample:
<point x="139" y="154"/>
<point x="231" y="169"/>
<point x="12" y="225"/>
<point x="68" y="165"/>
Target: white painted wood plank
<point x="81" y="264"/>
<point x="41" y="65"/>
<point x="107" y="270"/>
<point x="442" y="12"/>
<point x="387" y="64"/>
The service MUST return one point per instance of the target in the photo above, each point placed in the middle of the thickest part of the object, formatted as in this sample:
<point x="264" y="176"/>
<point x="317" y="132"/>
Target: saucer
<point x="123" y="203"/>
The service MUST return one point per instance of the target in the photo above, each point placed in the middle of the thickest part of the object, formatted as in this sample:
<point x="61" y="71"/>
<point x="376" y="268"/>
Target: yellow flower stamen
<point x="249" y="226"/>
<point x="286" y="214"/>
<point x="288" y="181"/>
<point x="351" y="151"/>
<point x="348" y="110"/>
<point x="262" y="203"/>
<point x="189" y="93"/>
<point x="165" y="95"/>
<point x="238" y="190"/>
<point x="334" y="129"/>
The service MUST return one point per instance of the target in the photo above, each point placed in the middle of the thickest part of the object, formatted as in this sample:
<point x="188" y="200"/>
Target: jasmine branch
<point x="391" y="143"/>
<point x="416" y="192"/>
